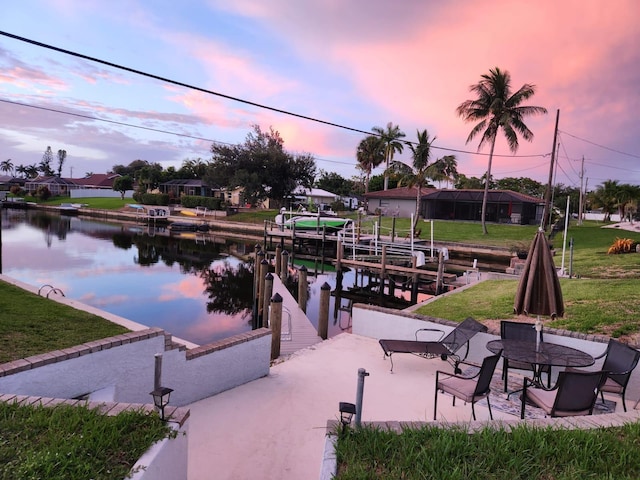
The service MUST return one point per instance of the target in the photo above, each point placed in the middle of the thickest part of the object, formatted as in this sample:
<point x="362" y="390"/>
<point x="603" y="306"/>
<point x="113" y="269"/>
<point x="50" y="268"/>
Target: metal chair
<point x="620" y="360"/>
<point x="524" y="332"/>
<point x="468" y="389"/>
<point x="575" y="393"/>
<point x="446" y="347"/>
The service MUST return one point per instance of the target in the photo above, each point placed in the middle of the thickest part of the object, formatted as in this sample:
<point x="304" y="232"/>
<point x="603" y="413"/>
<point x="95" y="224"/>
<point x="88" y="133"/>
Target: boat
<point x="69" y="208"/>
<point x="315" y="222"/>
<point x="188" y="227"/>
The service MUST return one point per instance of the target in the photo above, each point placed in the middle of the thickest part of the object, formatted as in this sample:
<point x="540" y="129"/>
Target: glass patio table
<point x="540" y="354"/>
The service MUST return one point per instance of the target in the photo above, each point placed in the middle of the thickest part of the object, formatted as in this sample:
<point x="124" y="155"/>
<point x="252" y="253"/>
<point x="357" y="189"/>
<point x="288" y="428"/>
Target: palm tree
<point x="422" y="170"/>
<point x="389" y="138"/>
<point x="6" y="166"/>
<point x="496" y="108"/>
<point x="370" y="154"/>
<point x="445" y="169"/>
<point x="62" y="155"/>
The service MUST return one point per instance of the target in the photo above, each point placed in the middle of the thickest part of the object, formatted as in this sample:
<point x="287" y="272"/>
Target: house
<point x="191" y="186"/>
<point x="313" y="196"/>
<point x="503" y="206"/>
<point x="56" y="185"/>
<point x="102" y="181"/>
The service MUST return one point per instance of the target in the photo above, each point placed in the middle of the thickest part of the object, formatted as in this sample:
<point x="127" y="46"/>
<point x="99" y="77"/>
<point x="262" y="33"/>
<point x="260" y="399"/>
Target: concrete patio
<point x="274" y="427"/>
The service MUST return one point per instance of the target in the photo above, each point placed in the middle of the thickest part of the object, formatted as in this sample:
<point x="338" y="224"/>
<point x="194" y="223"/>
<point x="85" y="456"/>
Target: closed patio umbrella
<point x="539" y="291"/>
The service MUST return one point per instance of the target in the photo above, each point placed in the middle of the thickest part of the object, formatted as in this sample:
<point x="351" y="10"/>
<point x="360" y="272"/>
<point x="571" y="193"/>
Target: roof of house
<point x="97" y="180"/>
<point x="462" y="195"/>
<point x="54" y="180"/>
<point x="408" y="193"/>
<point x="313" y="192"/>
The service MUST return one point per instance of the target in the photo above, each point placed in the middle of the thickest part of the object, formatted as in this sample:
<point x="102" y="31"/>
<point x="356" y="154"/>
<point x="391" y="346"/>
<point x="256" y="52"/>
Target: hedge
<point x="193" y="201"/>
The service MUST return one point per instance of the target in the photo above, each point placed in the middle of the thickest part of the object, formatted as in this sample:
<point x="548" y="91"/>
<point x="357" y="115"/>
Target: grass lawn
<point x="99" y="203"/>
<point x="523" y="453"/>
<point x="73" y="443"/>
<point x="32" y="324"/>
<point x="599" y="306"/>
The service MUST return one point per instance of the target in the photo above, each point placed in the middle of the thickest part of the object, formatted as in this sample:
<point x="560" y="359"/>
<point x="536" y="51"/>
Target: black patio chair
<point x="575" y="393"/>
<point x="525" y="332"/>
<point x="468" y="389"/>
<point x="445" y="347"/>
<point x="620" y="360"/>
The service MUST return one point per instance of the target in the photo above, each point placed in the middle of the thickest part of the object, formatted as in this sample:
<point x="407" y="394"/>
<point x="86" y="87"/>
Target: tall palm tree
<point x="390" y="137"/>
<point x="370" y="154"/>
<point x="62" y="156"/>
<point x="445" y="169"/>
<point x="497" y="108"/>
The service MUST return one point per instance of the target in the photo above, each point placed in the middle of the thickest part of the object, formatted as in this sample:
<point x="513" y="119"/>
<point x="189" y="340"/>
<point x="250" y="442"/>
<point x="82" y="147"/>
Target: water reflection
<point x="191" y="287"/>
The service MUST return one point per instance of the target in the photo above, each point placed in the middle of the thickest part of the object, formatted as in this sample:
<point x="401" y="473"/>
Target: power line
<point x="229" y="97"/>
<point x="602" y="146"/>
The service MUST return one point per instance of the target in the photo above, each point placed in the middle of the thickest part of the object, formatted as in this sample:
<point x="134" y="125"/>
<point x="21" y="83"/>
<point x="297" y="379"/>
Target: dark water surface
<point x="198" y="289"/>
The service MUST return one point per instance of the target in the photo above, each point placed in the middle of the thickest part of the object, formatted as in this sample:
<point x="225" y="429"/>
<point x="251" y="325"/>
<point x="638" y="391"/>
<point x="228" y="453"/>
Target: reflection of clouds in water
<point x="189" y="287"/>
<point x="105" y="301"/>
<point x="211" y="327"/>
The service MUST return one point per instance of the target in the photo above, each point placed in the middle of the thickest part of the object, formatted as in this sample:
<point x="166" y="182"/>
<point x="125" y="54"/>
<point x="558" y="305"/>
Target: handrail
<point x="51" y="290"/>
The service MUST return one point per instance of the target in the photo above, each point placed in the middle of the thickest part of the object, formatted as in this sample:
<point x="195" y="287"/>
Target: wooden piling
<point x="268" y="292"/>
<point x="284" y="271"/>
<point x="323" y="316"/>
<point x="264" y="269"/>
<point x="276" y="325"/>
<point x="278" y="260"/>
<point x="303" y="286"/>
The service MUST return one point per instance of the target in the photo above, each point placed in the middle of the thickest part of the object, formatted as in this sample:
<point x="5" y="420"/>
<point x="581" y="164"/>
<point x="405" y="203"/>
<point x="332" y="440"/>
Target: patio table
<point x="540" y="354"/>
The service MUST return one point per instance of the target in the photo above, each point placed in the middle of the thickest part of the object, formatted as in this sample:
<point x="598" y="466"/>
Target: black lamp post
<point x="161" y="398"/>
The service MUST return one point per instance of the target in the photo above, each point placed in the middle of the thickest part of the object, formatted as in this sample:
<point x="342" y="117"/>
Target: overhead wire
<point x="230" y="97"/>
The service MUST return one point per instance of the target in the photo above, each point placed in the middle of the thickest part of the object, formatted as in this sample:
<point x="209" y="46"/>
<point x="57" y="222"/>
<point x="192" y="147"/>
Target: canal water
<point x="197" y="288"/>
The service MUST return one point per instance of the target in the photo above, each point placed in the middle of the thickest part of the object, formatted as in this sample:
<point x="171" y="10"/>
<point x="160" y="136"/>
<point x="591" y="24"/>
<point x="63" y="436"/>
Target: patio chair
<point x="445" y="347"/>
<point x="468" y="389"/>
<point x="575" y="393"/>
<point x="620" y="360"/>
<point x="525" y="332"/>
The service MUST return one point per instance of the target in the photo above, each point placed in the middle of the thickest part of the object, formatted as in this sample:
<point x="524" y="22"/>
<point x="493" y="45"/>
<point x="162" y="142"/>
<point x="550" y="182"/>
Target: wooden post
<point x="303" y="285"/>
<point x="264" y="269"/>
<point x="276" y="325"/>
<point x="278" y="260"/>
<point x="440" y="273"/>
<point x="416" y="279"/>
<point x="323" y="315"/>
<point x="393" y="229"/>
<point x="268" y="291"/>
<point x="256" y="282"/>
<point x="383" y="267"/>
<point x="284" y="271"/>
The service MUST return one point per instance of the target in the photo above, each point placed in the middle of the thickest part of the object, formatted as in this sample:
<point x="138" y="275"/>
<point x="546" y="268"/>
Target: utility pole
<point x="546" y="215"/>
<point x="580" y="206"/>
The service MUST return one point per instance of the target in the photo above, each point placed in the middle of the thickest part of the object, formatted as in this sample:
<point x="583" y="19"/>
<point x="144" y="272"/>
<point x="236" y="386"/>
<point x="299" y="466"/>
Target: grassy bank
<point x="73" y="443"/>
<point x="523" y="453"/>
<point x="32" y="324"/>
<point x="598" y="306"/>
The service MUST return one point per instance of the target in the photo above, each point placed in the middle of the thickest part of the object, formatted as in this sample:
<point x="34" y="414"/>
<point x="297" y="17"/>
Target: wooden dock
<point x="302" y="334"/>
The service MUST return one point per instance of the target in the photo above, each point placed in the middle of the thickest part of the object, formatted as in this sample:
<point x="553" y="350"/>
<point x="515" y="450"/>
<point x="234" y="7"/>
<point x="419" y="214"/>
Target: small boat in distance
<point x="188" y="227"/>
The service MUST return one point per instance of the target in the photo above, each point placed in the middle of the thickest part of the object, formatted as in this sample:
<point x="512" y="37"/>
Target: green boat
<point x="307" y="222"/>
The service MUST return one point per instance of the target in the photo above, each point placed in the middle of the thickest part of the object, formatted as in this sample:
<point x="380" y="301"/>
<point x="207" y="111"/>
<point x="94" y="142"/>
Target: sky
<point x="354" y="64"/>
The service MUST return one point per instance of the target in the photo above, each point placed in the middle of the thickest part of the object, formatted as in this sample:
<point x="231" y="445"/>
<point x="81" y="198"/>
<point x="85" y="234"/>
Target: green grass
<point x="99" y="203"/>
<point x="525" y="453"/>
<point x="73" y="443"/>
<point x="598" y="306"/>
<point x="32" y="325"/>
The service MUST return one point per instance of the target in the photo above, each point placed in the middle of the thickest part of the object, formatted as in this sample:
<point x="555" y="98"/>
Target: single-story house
<point x="192" y="186"/>
<point x="503" y="206"/>
<point x="102" y="181"/>
<point x="56" y="185"/>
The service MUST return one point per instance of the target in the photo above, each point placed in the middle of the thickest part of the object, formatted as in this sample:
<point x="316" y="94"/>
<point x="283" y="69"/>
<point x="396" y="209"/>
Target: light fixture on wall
<point x="161" y="397"/>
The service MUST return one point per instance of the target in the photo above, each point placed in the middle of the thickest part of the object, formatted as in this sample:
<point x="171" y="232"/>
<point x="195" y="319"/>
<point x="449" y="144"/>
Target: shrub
<point x="621" y="245"/>
<point x="193" y="201"/>
<point x="155" y="199"/>
<point x="43" y="193"/>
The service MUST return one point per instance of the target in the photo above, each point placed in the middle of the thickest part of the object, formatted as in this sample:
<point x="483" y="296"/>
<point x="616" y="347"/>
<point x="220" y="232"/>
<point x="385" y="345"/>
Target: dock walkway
<point x="303" y="334"/>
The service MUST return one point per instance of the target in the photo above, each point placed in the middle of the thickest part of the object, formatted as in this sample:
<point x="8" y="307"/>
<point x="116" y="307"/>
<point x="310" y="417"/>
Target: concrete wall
<point x="165" y="460"/>
<point x="98" y="192"/>
<point x="377" y="322"/>
<point x="122" y="367"/>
